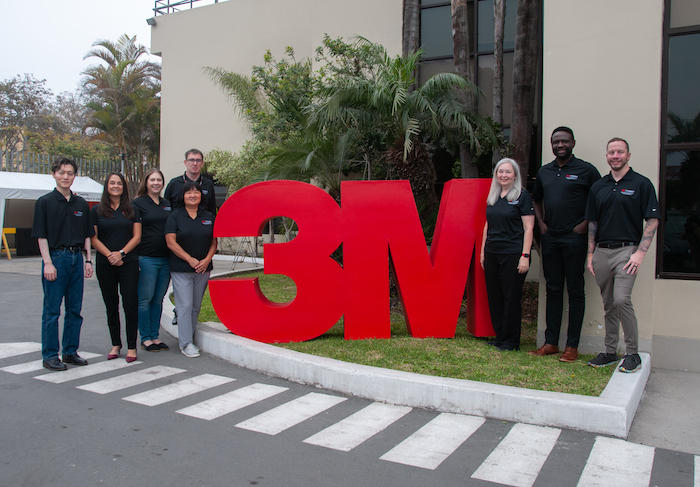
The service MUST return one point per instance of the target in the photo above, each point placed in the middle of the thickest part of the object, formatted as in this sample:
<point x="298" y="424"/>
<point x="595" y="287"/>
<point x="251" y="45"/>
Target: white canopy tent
<point x="23" y="186"/>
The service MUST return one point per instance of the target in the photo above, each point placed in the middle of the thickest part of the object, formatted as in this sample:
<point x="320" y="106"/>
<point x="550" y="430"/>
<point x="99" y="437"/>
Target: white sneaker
<point x="190" y="350"/>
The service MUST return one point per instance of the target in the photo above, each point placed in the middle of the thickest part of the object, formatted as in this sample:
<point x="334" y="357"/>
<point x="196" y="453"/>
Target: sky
<point x="48" y="38"/>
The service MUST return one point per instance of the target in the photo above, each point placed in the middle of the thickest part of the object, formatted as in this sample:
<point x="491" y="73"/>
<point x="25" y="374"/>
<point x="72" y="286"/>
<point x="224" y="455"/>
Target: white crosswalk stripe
<point x="291" y="413"/>
<point x="86" y="371"/>
<point x="35" y="365"/>
<point x="18" y="348"/>
<point x="132" y="379"/>
<point x="618" y="463"/>
<point x="358" y="428"/>
<point x="519" y="457"/>
<point x="232" y="401"/>
<point x="433" y="443"/>
<point x="516" y="461"/>
<point x="177" y="390"/>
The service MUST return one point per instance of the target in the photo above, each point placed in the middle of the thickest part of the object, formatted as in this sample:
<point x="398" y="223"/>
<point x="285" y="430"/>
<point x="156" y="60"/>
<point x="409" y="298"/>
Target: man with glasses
<point x="194" y="159"/>
<point x="63" y="227"/>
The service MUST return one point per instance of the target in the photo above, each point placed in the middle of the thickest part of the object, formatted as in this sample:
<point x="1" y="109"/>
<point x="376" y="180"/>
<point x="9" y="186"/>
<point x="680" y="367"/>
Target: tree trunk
<point x="462" y="65"/>
<point x="525" y="63"/>
<point x="499" y="15"/>
<point x="411" y="16"/>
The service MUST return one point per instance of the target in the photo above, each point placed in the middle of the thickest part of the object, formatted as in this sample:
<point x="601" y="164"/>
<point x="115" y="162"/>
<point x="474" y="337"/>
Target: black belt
<point x="71" y="248"/>
<point x="616" y="245"/>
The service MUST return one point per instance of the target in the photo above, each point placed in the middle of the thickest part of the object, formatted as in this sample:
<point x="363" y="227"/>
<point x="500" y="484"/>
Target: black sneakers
<point x="631" y="362"/>
<point x="603" y="360"/>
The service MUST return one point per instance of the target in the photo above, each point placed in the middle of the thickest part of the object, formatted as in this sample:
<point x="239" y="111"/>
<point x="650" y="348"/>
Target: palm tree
<point x="124" y="100"/>
<point x="381" y="104"/>
<point x="525" y="63"/>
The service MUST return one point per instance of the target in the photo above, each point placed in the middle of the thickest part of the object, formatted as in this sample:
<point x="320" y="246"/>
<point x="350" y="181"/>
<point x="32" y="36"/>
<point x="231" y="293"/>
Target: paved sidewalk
<point x="666" y="416"/>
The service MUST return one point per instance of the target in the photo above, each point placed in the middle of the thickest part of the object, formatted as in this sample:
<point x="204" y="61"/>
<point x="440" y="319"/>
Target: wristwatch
<point x="526" y="255"/>
<point x="123" y="253"/>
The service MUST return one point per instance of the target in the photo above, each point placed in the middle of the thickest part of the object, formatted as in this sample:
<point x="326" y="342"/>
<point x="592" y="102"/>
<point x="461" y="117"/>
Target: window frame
<point x="666" y="147"/>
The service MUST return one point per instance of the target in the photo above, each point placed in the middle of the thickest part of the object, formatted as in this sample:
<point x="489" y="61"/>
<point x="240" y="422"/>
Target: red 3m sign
<point x="377" y="224"/>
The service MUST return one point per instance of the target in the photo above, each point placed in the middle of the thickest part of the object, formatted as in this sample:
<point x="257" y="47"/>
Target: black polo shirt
<point x="115" y="232"/>
<point x="193" y="235"/>
<point x="153" y="218"/>
<point x="620" y="207"/>
<point x="505" y="225"/>
<point x="173" y="192"/>
<point x="64" y="223"/>
<point x="564" y="191"/>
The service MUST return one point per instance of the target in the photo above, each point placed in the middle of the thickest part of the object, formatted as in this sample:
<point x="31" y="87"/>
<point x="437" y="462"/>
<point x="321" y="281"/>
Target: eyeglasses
<point x="195" y="161"/>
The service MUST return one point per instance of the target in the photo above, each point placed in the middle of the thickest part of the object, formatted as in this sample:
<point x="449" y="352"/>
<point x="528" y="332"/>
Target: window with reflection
<point x="679" y="233"/>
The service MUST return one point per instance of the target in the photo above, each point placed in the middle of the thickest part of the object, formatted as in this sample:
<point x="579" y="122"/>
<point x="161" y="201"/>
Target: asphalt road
<point x="60" y="432"/>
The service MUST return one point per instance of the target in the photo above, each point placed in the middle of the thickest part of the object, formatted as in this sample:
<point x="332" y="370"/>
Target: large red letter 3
<point x="240" y="304"/>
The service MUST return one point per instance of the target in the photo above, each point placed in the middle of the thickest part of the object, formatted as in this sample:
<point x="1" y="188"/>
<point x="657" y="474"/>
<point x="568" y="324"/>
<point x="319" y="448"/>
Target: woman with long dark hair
<point x="505" y="251"/>
<point x="117" y="233"/>
<point x="189" y="233"/>
<point x="154" y="271"/>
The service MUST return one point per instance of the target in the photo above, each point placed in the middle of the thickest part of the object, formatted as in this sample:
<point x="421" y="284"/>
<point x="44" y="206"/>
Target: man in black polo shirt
<point x="617" y="205"/>
<point x="560" y="195"/>
<point x="194" y="159"/>
<point x="63" y="228"/>
<point x="193" y="172"/>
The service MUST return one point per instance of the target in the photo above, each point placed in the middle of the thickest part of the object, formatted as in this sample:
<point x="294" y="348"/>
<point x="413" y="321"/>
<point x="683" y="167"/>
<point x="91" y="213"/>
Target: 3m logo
<point x="378" y="224"/>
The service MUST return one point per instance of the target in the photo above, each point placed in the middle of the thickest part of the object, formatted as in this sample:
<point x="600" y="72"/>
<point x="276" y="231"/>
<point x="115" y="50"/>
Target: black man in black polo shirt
<point x="63" y="227"/>
<point x="560" y="195"/>
<point x="617" y="205"/>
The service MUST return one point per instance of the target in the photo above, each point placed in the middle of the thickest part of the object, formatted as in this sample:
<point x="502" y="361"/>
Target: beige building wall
<point x="602" y="78"/>
<point x="234" y="35"/>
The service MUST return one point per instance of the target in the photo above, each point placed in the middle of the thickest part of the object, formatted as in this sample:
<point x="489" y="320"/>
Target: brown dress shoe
<point x="570" y="354"/>
<point x="545" y="349"/>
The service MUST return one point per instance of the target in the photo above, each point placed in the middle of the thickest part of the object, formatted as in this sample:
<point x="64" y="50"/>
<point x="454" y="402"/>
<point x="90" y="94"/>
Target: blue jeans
<point x="154" y="278"/>
<point x="68" y="285"/>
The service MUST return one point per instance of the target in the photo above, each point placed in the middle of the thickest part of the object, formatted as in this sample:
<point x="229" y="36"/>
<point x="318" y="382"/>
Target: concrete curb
<point x="611" y="413"/>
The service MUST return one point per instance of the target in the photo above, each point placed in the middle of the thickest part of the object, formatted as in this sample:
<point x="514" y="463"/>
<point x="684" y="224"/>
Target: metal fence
<point x="36" y="163"/>
<point x="163" y="7"/>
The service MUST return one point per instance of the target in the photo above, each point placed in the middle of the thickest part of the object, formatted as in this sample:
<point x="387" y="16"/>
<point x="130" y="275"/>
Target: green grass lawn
<point x="461" y="357"/>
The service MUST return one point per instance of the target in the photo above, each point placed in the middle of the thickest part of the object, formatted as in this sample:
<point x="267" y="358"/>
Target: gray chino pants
<point x="616" y="289"/>
<point x="188" y="288"/>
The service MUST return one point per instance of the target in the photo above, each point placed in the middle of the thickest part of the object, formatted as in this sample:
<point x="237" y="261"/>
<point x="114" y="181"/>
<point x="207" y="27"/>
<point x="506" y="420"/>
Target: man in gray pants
<point x="617" y="205"/>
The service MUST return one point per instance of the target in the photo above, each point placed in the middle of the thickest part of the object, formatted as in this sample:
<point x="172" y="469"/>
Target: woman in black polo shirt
<point x="154" y="271"/>
<point x="505" y="251"/>
<point x="117" y="233"/>
<point x="189" y="233"/>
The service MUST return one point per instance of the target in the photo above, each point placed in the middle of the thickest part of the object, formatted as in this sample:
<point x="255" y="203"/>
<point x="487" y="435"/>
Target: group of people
<point x="584" y="221"/>
<point x="140" y="245"/>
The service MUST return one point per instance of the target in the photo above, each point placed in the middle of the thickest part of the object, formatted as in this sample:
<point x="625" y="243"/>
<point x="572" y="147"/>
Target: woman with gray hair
<point x="505" y="251"/>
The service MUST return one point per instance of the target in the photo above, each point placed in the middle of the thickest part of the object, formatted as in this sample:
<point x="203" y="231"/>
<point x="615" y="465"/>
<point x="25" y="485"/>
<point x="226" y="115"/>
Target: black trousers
<point x="504" y="287"/>
<point x="564" y="259"/>
<point x="125" y="279"/>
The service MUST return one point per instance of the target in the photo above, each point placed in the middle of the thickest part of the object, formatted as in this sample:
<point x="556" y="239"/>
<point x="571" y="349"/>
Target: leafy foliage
<point x="124" y="93"/>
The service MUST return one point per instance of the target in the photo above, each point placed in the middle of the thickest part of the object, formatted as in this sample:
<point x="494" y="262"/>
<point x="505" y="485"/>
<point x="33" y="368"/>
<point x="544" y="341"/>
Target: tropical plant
<point x="381" y="104"/>
<point x="124" y="106"/>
